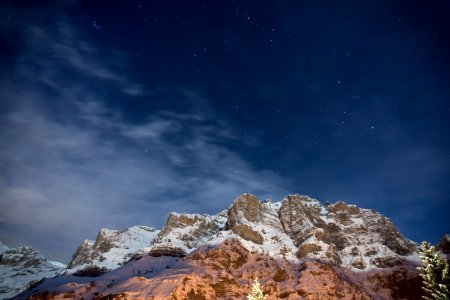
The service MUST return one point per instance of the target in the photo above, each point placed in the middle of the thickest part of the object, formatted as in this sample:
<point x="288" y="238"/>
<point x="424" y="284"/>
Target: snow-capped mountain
<point x="22" y="267"/>
<point x="113" y="248"/>
<point x="298" y="248"/>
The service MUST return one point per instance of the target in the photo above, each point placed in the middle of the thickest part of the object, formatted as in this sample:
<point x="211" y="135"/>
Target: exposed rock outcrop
<point x="247" y="233"/>
<point x="245" y="208"/>
<point x="167" y="251"/>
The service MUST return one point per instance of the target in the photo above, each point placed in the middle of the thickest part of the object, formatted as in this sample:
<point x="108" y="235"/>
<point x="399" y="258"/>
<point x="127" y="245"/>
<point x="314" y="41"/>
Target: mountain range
<point x="298" y="248"/>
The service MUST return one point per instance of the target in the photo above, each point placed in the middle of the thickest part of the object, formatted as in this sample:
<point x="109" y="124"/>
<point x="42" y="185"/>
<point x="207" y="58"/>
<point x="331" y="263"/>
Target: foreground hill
<point x="298" y="248"/>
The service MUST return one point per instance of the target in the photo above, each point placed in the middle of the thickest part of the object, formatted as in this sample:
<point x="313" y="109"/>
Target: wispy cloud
<point x="73" y="164"/>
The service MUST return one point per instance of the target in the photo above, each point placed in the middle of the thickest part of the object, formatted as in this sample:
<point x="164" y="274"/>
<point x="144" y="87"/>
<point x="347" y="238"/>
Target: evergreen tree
<point x="257" y="293"/>
<point x="435" y="273"/>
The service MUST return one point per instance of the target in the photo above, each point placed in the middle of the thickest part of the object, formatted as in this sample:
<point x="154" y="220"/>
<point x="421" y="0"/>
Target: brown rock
<point x="167" y="251"/>
<point x="323" y="281"/>
<point x="245" y="207"/>
<point x="304" y="249"/>
<point x="247" y="233"/>
<point x="342" y="207"/>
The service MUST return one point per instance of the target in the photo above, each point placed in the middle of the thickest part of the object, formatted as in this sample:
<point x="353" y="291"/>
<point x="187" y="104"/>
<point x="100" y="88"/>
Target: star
<point x="95" y="25"/>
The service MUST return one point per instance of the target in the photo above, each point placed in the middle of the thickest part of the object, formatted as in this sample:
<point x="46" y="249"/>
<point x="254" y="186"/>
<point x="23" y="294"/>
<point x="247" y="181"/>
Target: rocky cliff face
<point x="299" y="248"/>
<point x="23" y="267"/>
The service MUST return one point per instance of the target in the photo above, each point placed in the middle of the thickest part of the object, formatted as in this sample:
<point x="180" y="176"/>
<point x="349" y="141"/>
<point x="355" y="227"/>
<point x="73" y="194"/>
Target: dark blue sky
<point x="114" y="113"/>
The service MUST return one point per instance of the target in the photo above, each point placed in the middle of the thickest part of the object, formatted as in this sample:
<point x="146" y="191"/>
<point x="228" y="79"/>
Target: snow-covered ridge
<point x="22" y="267"/>
<point x="296" y="228"/>
<point x="112" y="248"/>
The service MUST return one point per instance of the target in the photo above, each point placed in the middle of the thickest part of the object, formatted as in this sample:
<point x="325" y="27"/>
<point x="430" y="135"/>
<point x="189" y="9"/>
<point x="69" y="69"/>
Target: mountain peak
<point x="112" y="248"/>
<point x="245" y="208"/>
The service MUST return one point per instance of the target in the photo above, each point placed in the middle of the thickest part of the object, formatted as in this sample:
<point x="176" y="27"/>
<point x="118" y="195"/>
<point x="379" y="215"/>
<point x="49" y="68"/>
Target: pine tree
<point x="435" y="273"/>
<point x="257" y="293"/>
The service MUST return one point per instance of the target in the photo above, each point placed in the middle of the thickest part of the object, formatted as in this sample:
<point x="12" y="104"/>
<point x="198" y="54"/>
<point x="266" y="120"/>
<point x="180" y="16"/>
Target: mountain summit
<point x="298" y="248"/>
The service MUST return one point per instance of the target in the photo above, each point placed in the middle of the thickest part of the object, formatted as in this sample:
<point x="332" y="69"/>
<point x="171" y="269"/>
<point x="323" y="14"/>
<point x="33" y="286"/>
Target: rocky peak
<point x="82" y="255"/>
<point x="245" y="208"/>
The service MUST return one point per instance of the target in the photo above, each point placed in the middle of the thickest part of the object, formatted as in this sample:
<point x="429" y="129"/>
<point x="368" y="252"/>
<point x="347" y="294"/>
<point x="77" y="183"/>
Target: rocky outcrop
<point x="247" y="233"/>
<point x="23" y="267"/>
<point x="83" y="255"/>
<point x="167" y="251"/>
<point x="245" y="208"/>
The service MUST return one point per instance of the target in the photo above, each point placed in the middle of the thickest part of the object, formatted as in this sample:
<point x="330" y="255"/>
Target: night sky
<point x="114" y="113"/>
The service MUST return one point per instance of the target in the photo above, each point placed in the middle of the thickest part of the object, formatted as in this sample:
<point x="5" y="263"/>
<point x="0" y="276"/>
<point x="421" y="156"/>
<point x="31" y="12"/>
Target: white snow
<point x="125" y="243"/>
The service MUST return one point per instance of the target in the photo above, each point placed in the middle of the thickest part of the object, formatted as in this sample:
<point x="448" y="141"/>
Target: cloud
<point x="74" y="164"/>
<point x="60" y="50"/>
